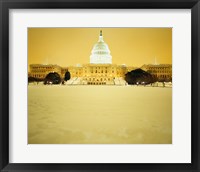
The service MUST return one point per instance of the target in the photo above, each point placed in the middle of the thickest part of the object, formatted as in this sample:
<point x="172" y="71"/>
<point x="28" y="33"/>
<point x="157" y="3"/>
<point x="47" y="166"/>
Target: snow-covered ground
<point x="99" y="114"/>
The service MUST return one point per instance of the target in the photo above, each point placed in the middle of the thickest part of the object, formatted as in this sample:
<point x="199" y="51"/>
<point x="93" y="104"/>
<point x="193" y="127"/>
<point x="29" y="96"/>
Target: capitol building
<point x="100" y="70"/>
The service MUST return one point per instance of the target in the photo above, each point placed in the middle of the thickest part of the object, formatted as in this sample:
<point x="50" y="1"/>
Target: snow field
<point x="99" y="114"/>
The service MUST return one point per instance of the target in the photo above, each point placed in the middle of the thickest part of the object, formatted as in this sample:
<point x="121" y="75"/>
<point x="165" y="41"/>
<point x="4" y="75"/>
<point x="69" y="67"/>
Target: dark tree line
<point x="139" y="76"/>
<point x="51" y="78"/>
<point x="33" y="79"/>
<point x="67" y="76"/>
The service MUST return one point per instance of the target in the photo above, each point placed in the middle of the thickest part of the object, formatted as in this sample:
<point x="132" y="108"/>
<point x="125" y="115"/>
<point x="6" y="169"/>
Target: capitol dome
<point x="100" y="53"/>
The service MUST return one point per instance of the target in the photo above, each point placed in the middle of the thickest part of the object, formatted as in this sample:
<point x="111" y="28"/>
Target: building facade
<point x="40" y="71"/>
<point x="100" y="70"/>
<point x="161" y="71"/>
<point x="102" y="74"/>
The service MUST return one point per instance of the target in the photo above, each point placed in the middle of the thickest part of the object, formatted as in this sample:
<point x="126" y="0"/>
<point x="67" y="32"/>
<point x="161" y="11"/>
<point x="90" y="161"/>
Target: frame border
<point x="5" y="5"/>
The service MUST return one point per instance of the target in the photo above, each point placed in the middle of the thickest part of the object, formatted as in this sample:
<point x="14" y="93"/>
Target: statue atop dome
<point x="101" y="33"/>
<point x="100" y="53"/>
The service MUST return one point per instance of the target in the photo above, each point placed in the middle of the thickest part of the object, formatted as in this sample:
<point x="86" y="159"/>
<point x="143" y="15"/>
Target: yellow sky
<point x="71" y="46"/>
